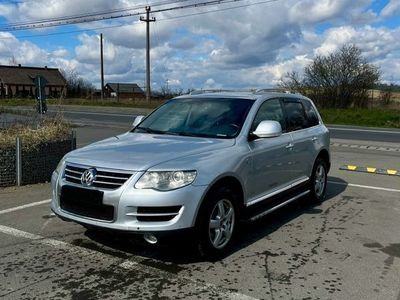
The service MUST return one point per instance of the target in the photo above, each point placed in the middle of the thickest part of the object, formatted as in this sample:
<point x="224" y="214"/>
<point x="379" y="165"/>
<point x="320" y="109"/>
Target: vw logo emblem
<point x="88" y="177"/>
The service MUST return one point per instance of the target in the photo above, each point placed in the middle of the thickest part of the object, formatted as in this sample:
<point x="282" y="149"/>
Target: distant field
<point x="362" y="117"/>
<point x="375" y="94"/>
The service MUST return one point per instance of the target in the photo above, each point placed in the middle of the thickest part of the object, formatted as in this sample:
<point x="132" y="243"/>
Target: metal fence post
<point x="73" y="140"/>
<point x="18" y="161"/>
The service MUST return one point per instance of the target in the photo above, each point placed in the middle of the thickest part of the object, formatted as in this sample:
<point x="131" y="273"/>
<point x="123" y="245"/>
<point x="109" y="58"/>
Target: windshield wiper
<point x="196" y="134"/>
<point x="149" y="130"/>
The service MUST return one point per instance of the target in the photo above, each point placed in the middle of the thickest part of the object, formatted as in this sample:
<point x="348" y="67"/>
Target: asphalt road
<point x="123" y="118"/>
<point x="345" y="248"/>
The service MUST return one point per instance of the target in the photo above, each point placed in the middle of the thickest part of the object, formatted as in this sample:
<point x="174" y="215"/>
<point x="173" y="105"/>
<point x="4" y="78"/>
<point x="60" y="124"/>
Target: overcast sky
<point x="251" y="46"/>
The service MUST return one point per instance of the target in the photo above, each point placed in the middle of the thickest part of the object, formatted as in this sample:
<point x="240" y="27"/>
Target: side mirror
<point x="137" y="120"/>
<point x="268" y="129"/>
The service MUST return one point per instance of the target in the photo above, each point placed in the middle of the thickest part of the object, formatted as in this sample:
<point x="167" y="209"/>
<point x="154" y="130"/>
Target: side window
<point x="270" y="110"/>
<point x="296" y="118"/>
<point x="311" y="114"/>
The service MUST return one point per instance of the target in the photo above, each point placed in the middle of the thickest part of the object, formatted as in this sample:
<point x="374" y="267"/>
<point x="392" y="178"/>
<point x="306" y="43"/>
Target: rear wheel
<point x="318" y="181"/>
<point x="217" y="223"/>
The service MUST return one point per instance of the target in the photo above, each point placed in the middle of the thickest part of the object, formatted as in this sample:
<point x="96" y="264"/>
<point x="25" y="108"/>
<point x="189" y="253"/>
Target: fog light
<point x="150" y="238"/>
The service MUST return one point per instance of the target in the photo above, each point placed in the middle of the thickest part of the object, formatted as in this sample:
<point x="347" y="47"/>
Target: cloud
<point x="29" y="10"/>
<point x="24" y="53"/>
<point x="375" y="43"/>
<point x="249" y="47"/>
<point x="60" y="52"/>
<point x="392" y="8"/>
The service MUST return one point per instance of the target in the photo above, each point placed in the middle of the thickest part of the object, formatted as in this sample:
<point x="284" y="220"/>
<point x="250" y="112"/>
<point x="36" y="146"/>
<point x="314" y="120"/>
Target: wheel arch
<point x="324" y="154"/>
<point x="228" y="181"/>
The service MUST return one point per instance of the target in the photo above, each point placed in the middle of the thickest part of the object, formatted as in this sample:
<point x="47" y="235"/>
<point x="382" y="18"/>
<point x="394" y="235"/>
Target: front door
<point x="271" y="157"/>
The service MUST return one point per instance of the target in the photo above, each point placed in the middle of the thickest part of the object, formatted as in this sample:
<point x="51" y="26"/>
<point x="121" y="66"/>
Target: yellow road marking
<point x="352" y="168"/>
<point x="391" y="172"/>
<point x="371" y="170"/>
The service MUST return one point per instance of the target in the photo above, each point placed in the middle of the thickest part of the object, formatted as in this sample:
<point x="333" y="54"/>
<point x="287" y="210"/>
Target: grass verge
<point x="86" y="102"/>
<point x="361" y="117"/>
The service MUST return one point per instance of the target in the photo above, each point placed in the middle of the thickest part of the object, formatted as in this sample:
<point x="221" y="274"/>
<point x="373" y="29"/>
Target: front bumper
<point x="127" y="202"/>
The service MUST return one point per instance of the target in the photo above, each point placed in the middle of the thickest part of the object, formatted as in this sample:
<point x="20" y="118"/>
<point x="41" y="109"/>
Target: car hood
<point x="141" y="151"/>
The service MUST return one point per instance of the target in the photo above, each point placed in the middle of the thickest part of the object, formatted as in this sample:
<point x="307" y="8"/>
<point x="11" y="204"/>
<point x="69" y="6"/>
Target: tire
<point x="217" y="222"/>
<point x="318" y="181"/>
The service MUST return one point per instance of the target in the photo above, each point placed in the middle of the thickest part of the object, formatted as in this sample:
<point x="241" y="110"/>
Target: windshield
<point x="210" y="117"/>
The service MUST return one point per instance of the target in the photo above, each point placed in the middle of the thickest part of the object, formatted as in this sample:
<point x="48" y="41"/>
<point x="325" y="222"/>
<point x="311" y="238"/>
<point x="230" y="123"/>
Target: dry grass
<point x="54" y="129"/>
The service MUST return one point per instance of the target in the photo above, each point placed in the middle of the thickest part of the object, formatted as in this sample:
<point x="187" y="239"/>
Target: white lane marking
<point x="365" y="186"/>
<point x="126" y="264"/>
<point x="86" y="112"/>
<point x="5" y="211"/>
<point x="364" y="130"/>
<point x="98" y="113"/>
<point x="19" y="233"/>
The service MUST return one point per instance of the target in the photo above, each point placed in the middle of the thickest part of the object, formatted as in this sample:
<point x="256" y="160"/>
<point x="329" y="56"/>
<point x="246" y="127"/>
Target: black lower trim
<point x="275" y="200"/>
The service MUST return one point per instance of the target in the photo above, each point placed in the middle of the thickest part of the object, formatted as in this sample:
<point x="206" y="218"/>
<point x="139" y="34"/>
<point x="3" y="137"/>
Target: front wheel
<point x="318" y="181"/>
<point x="217" y="223"/>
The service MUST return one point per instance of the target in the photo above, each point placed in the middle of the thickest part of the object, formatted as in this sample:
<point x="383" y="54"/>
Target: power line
<point x="136" y="24"/>
<point x="102" y="17"/>
<point x="217" y="10"/>
<point x="93" y="14"/>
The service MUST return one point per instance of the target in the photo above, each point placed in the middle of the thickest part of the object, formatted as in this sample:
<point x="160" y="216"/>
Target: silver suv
<point x="198" y="163"/>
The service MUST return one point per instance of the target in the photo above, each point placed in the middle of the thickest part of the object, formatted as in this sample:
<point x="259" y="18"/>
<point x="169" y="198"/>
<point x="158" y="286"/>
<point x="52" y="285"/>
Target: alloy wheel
<point x="221" y="223"/>
<point x="320" y="180"/>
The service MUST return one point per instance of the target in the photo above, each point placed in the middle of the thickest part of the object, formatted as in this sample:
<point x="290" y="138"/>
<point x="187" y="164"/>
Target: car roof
<point x="241" y="94"/>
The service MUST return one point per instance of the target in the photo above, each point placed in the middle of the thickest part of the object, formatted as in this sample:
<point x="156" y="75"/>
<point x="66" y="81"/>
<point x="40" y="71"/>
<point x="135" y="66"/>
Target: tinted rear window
<point x="295" y="115"/>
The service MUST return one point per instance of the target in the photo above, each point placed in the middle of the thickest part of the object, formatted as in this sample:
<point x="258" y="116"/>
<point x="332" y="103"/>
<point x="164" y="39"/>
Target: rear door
<point x="304" y="134"/>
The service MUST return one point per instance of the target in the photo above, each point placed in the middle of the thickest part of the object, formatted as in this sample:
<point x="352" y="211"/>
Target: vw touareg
<point x="200" y="162"/>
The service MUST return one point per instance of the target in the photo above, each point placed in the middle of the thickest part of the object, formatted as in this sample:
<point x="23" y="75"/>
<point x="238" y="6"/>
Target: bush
<point x="50" y="130"/>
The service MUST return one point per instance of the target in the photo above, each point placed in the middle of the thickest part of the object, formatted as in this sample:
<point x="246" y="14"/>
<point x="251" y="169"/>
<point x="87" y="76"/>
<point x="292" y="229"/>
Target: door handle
<point x="289" y="146"/>
<point x="314" y="139"/>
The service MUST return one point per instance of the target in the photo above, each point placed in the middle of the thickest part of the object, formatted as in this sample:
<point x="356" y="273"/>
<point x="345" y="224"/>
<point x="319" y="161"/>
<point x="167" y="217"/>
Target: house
<point x="18" y="81"/>
<point x="123" y="90"/>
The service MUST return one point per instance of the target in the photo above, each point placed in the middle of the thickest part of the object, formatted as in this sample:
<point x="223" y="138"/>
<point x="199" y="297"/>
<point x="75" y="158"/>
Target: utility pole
<point x="148" y="20"/>
<point x="101" y="66"/>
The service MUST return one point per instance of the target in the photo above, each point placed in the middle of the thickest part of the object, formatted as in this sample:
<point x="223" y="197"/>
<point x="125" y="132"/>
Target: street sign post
<point x="40" y="83"/>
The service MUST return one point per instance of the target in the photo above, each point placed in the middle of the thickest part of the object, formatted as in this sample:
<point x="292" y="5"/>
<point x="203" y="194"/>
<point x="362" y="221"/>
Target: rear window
<point x="311" y="114"/>
<point x="296" y="118"/>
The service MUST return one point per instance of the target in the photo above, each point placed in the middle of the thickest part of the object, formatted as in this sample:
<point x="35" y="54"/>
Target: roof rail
<point x="198" y="92"/>
<point x="255" y="91"/>
<point x="275" y="90"/>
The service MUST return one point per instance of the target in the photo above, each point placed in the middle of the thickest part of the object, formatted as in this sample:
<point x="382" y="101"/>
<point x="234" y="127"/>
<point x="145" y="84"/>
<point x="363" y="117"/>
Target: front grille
<point x="85" y="202"/>
<point x="156" y="213"/>
<point x="104" y="179"/>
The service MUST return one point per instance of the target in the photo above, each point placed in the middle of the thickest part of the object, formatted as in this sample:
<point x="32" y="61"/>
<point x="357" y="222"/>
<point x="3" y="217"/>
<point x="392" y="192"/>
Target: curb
<point x="371" y="170"/>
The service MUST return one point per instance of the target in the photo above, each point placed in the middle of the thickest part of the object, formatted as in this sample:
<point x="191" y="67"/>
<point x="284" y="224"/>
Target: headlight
<point x="60" y="166"/>
<point x="165" y="181"/>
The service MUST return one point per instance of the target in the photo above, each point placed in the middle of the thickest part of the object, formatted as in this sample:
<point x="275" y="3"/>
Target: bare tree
<point x="76" y="85"/>
<point x="340" y="79"/>
<point x="293" y="82"/>
<point x="386" y="94"/>
<point x="12" y="61"/>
